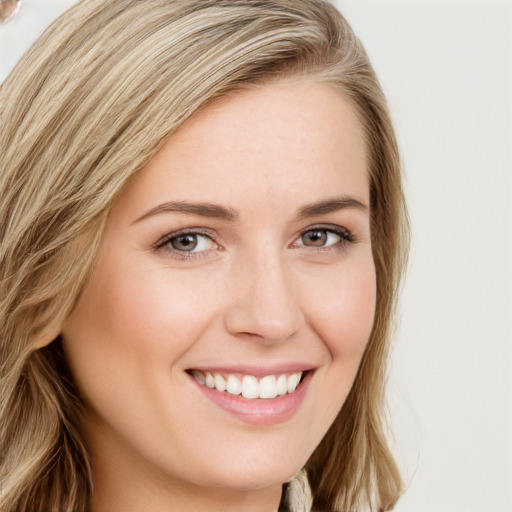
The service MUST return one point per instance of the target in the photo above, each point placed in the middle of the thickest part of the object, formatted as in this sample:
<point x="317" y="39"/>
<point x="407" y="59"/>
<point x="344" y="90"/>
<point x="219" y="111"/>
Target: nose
<point x="264" y="304"/>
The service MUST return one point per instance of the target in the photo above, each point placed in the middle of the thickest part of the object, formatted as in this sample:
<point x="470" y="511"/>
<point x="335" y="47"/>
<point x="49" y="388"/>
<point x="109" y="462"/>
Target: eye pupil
<point x="315" y="238"/>
<point x="184" y="242"/>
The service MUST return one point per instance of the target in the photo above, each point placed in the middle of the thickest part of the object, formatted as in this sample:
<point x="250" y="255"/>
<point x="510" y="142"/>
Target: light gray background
<point x="446" y="67"/>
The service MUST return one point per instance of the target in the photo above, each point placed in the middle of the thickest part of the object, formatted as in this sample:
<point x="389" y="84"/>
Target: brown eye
<point x="315" y="238"/>
<point x="185" y="243"/>
<point x="324" y="238"/>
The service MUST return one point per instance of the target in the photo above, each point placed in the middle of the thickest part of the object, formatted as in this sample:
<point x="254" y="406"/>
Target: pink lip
<point x="258" y="411"/>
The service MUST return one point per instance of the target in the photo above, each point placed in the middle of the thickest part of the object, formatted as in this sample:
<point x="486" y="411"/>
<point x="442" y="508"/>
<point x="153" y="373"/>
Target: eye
<point x="324" y="238"/>
<point x="187" y="243"/>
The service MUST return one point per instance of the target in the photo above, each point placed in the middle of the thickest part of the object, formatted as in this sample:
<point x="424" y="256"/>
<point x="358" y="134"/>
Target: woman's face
<point x="240" y="257"/>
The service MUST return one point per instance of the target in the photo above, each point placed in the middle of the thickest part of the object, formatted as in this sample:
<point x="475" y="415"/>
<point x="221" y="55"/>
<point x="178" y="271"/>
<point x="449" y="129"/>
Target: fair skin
<point x="242" y="250"/>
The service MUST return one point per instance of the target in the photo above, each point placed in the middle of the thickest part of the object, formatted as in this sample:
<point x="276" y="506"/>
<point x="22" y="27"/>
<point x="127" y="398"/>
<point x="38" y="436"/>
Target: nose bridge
<point x="265" y="303"/>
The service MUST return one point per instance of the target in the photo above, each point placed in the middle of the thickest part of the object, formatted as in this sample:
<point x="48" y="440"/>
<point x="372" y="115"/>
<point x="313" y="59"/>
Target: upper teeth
<point x="249" y="386"/>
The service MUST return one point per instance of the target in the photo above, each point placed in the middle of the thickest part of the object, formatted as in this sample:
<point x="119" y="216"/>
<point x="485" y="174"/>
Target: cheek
<point x="147" y="313"/>
<point x="126" y="331"/>
<point x="131" y="328"/>
<point x="343" y="310"/>
<point x="124" y="342"/>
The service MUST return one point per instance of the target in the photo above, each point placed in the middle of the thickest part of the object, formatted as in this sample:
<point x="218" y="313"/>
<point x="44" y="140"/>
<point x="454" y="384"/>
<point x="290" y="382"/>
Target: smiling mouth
<point x="249" y="386"/>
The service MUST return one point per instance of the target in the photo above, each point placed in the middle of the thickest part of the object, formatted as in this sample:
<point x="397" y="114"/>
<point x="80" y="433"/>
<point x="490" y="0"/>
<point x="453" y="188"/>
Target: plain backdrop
<point x="446" y="67"/>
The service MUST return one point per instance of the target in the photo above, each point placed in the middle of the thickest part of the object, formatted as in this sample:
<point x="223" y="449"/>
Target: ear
<point x="46" y="336"/>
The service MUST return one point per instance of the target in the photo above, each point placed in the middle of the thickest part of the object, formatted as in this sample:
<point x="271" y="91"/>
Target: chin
<point x="254" y="478"/>
<point x="251" y="471"/>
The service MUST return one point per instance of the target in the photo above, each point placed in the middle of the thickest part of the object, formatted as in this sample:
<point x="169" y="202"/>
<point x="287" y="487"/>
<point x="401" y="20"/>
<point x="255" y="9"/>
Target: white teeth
<point x="267" y="387"/>
<point x="292" y="382"/>
<point x="250" y="387"/>
<point x="209" y="380"/>
<point x="234" y="386"/>
<point x="220" y="383"/>
<point x="281" y="385"/>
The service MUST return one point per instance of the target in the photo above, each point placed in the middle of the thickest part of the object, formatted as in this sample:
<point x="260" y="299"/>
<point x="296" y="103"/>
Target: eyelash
<point x="346" y="238"/>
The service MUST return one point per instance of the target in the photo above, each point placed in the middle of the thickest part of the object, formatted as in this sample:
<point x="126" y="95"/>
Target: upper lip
<point x="256" y="370"/>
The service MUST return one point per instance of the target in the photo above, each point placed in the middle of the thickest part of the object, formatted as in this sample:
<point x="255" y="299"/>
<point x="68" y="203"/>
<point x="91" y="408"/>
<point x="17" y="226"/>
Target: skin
<point x="254" y="291"/>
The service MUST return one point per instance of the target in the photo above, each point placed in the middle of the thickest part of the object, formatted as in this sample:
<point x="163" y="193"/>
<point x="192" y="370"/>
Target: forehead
<point x="298" y="141"/>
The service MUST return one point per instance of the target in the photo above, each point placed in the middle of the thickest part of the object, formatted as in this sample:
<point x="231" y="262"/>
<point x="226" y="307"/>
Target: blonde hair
<point x="85" y="109"/>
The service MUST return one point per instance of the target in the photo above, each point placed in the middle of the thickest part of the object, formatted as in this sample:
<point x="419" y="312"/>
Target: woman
<point x="204" y="234"/>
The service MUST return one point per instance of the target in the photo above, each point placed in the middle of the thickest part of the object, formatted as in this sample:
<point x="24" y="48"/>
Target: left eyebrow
<point x="332" y="205"/>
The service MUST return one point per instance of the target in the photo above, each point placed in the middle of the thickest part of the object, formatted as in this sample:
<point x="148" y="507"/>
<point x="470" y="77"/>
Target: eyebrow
<point x="220" y="212"/>
<point x="332" y="205"/>
<point x="202" y="209"/>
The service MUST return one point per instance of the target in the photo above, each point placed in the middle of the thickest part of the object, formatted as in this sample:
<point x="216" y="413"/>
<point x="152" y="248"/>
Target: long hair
<point x="84" y="110"/>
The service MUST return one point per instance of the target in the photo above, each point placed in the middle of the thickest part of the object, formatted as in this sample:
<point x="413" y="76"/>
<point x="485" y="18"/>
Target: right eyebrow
<point x="332" y="205"/>
<point x="202" y="209"/>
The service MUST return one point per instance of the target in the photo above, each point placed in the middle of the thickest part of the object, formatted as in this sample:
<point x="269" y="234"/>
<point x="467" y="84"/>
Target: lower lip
<point x="259" y="411"/>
